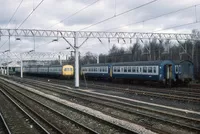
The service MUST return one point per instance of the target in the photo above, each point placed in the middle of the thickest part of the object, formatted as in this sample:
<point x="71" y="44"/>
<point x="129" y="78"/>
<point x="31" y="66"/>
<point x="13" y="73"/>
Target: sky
<point x="66" y="15"/>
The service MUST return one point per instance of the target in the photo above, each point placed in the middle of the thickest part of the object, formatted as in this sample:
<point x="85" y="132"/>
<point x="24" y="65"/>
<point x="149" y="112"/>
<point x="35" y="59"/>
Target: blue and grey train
<point x="159" y="71"/>
<point x="184" y="71"/>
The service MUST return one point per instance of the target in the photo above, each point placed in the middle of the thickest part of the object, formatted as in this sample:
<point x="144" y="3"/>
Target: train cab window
<point x="133" y="69"/>
<point x="154" y="69"/>
<point x="144" y="69"/>
<point x="125" y="69"/>
<point x="149" y="69"/>
<point x="129" y="69"/>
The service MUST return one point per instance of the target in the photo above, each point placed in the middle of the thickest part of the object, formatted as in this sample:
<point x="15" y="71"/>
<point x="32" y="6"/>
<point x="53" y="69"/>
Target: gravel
<point x="98" y="114"/>
<point x="17" y="121"/>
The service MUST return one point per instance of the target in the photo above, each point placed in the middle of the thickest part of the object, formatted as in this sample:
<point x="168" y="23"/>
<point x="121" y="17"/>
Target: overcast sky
<point x="51" y="12"/>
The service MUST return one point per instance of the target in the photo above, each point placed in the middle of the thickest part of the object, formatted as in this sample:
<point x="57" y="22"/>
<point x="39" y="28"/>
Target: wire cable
<point x="3" y="43"/>
<point x="14" y="12"/>
<point x="30" y="14"/>
<point x="191" y="23"/>
<point x="119" y="14"/>
<point x="25" y="20"/>
<point x="154" y="17"/>
<point x="74" y="13"/>
<point x="10" y="21"/>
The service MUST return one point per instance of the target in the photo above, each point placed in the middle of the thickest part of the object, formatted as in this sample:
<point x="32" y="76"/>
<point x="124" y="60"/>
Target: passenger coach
<point x="159" y="71"/>
<point x="101" y="71"/>
<point x="184" y="71"/>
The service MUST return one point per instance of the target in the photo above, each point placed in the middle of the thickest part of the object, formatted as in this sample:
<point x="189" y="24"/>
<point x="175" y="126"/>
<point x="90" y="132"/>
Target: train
<point x="62" y="71"/>
<point x="167" y="72"/>
<point x="184" y="71"/>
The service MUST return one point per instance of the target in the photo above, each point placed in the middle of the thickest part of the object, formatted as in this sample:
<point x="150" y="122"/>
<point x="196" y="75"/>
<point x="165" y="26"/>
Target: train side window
<point x="154" y="69"/>
<point x="137" y="69"/>
<point x="115" y="70"/>
<point x="106" y="69"/>
<point x="129" y="69"/>
<point x="122" y="69"/>
<point x="149" y="69"/>
<point x="179" y="69"/>
<point x="176" y="68"/>
<point x="144" y="69"/>
<point x="125" y="69"/>
<point x="118" y="69"/>
<point x="133" y="69"/>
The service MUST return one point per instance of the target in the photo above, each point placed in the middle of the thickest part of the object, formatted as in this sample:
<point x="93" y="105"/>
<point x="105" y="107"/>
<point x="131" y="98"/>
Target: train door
<point x="168" y="74"/>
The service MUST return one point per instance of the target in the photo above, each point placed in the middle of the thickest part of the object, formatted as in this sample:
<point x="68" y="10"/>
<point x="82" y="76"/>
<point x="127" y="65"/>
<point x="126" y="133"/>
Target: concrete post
<point x="76" y="60"/>
<point x="7" y="70"/>
<point x="21" y="66"/>
<point x="98" y="59"/>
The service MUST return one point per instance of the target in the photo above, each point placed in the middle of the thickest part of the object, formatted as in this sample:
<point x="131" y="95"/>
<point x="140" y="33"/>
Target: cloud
<point x="51" y="12"/>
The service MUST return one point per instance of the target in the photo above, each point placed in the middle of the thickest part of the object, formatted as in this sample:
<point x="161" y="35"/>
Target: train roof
<point x="49" y="66"/>
<point x="181" y="61"/>
<point x="156" y="62"/>
<point x="100" y="64"/>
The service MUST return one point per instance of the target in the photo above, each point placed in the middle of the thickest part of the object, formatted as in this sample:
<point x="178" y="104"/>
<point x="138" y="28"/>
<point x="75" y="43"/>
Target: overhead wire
<point x="142" y="21"/>
<point x="177" y="26"/>
<point x="14" y="12"/>
<point x="30" y="14"/>
<point x="117" y="15"/>
<point x="75" y="13"/>
<point x="11" y="20"/>
<point x="25" y="20"/>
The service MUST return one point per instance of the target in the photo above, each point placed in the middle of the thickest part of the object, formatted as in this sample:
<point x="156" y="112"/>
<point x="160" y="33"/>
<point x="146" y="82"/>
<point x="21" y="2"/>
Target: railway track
<point x="170" y="94"/>
<point x="166" y="116"/>
<point x="19" y="121"/>
<point x="113" y="127"/>
<point x="4" y="129"/>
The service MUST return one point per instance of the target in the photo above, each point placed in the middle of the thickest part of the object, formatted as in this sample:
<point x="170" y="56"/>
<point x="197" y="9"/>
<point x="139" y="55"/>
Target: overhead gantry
<point x="75" y="35"/>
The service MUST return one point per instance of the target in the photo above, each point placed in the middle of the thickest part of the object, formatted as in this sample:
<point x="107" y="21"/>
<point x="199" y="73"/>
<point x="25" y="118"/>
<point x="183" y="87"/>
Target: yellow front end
<point x="68" y="71"/>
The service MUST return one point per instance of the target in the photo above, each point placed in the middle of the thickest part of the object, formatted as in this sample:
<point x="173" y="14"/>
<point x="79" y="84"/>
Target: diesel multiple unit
<point x="57" y="71"/>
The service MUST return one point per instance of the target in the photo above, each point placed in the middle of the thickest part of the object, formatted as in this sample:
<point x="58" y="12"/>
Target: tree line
<point x="153" y="49"/>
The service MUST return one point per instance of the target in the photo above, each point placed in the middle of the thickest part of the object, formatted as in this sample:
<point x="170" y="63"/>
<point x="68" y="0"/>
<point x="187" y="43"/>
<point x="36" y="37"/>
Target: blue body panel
<point x="136" y="76"/>
<point x="159" y="76"/>
<point x="96" y="74"/>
